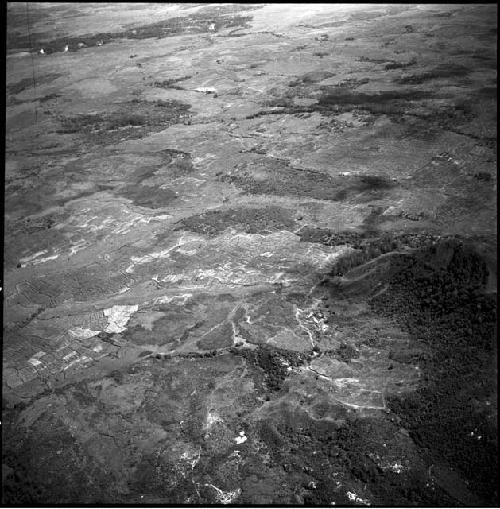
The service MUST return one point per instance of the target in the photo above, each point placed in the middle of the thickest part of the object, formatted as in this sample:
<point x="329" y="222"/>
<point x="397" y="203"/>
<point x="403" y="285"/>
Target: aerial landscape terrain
<point x="250" y="254"/>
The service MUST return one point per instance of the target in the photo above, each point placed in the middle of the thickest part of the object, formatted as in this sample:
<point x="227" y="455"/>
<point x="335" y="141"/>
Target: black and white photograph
<point x="250" y="255"/>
